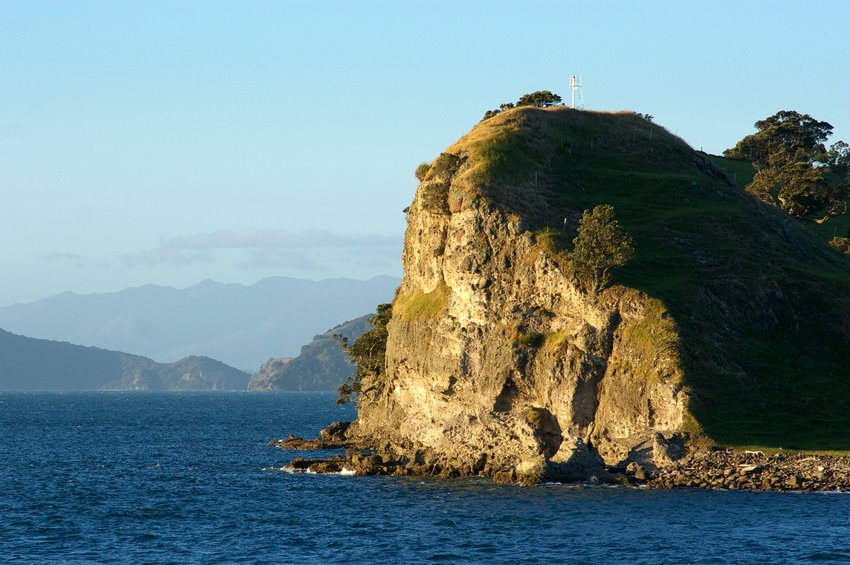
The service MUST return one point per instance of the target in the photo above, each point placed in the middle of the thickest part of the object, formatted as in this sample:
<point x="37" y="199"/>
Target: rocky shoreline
<point x="707" y="469"/>
<point x="730" y="469"/>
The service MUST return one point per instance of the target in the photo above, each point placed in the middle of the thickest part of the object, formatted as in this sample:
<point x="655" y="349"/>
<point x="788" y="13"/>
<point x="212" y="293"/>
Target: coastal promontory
<point x="729" y="325"/>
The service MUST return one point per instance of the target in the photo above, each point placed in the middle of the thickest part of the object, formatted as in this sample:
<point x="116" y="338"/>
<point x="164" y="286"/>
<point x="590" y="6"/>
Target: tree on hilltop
<point x="540" y="99"/>
<point x="785" y="137"/>
<point x="600" y="246"/>
<point x="788" y="153"/>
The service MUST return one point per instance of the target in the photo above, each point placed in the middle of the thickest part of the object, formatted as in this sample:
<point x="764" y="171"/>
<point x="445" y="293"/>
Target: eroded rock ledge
<point x="362" y="460"/>
<point x="706" y="469"/>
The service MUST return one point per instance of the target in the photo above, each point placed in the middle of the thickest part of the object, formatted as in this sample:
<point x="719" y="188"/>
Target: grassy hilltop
<point x="760" y="301"/>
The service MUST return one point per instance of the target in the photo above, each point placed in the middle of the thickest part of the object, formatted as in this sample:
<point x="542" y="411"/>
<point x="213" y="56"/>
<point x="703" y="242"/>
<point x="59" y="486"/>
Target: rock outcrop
<point x="754" y="470"/>
<point x="501" y="362"/>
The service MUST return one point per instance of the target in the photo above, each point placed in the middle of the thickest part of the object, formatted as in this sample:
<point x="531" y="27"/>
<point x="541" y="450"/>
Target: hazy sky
<point x="172" y="141"/>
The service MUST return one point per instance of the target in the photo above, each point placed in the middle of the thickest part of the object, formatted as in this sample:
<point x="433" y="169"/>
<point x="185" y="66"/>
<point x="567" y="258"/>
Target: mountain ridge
<point x="29" y="364"/>
<point x="243" y="325"/>
<point x="321" y="365"/>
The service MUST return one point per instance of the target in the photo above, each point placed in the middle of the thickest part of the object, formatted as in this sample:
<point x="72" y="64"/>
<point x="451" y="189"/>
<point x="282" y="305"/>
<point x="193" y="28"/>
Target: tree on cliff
<point x="368" y="353"/>
<point x="600" y="246"/>
<point x="787" y="151"/>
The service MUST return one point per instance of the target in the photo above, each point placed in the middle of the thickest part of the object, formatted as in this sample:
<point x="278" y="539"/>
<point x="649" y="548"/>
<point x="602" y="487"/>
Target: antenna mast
<point x="575" y="90"/>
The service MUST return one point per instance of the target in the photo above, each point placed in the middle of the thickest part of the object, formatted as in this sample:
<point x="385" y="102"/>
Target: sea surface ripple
<point x="190" y="478"/>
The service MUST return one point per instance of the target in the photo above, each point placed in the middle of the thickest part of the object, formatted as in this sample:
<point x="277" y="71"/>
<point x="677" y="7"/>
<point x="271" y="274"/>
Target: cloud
<point x="164" y="256"/>
<point x="72" y="259"/>
<point x="308" y="251"/>
<point x="250" y="238"/>
<point x="280" y="259"/>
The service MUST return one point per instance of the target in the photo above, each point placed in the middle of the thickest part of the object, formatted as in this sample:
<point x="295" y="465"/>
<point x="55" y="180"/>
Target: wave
<point x="345" y="472"/>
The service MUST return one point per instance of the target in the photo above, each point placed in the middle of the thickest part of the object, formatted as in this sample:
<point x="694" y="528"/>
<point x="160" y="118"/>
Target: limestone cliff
<point x="499" y="362"/>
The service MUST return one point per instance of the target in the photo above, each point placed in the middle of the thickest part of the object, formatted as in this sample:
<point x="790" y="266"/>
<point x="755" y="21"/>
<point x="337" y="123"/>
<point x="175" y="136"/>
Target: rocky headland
<point x="729" y="327"/>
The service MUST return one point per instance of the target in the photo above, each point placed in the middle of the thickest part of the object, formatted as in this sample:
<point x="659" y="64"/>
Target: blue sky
<point x="172" y="141"/>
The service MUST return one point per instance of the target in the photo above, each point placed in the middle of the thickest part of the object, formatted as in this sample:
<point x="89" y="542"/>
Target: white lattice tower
<point x="577" y="100"/>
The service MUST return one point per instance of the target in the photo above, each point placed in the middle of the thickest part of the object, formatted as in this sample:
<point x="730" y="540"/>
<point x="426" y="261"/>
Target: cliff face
<point x="512" y="365"/>
<point x="729" y="325"/>
<point x="500" y="363"/>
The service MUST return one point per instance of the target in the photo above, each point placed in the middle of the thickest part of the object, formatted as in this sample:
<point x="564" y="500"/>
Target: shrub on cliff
<point x="422" y="170"/>
<point x="600" y="246"/>
<point x="368" y="353"/>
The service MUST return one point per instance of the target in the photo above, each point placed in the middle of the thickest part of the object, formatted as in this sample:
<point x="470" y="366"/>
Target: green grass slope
<point x="826" y="225"/>
<point x="761" y="302"/>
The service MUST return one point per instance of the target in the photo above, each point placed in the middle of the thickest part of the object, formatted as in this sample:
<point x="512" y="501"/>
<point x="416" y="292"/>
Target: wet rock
<point x="332" y="465"/>
<point x="332" y="437"/>
<point x="335" y="432"/>
<point x="637" y="471"/>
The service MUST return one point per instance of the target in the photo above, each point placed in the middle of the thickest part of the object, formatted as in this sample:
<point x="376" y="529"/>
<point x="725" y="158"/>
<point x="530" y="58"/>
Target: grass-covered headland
<point x="760" y="301"/>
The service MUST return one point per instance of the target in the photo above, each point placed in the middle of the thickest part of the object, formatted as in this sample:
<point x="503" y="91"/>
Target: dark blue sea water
<point x="189" y="478"/>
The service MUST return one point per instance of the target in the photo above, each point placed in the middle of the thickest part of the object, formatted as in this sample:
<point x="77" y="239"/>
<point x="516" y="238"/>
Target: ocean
<point x="190" y="478"/>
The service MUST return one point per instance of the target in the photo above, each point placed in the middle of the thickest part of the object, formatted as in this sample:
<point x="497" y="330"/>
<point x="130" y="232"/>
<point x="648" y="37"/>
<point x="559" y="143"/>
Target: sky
<point x="169" y="142"/>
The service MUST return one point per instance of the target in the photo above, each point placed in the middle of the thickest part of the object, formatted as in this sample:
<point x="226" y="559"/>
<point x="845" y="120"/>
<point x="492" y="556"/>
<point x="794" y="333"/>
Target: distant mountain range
<point x="322" y="365"/>
<point x="38" y="364"/>
<point x="241" y="325"/>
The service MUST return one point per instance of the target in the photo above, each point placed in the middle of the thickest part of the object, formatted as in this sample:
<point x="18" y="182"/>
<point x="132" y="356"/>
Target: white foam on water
<point x="284" y="469"/>
<point x="288" y="469"/>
